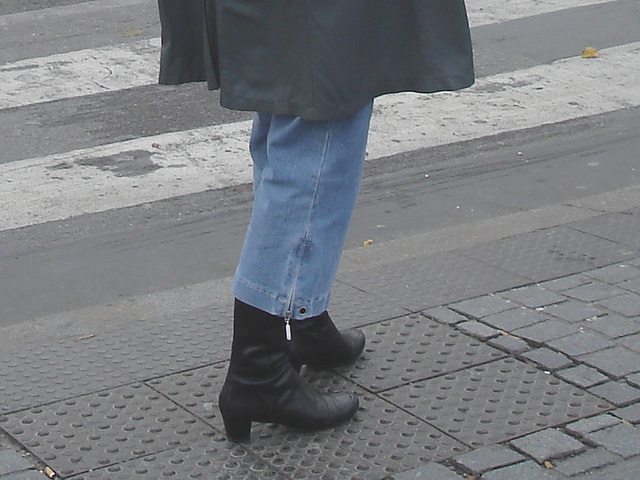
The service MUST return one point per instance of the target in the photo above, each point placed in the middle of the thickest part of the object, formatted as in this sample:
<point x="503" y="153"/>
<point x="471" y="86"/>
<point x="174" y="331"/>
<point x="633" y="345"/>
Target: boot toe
<point x="357" y="340"/>
<point x="353" y="344"/>
<point x="346" y="405"/>
<point x="333" y="409"/>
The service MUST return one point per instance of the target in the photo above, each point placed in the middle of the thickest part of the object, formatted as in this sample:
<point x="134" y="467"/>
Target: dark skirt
<point x="315" y="59"/>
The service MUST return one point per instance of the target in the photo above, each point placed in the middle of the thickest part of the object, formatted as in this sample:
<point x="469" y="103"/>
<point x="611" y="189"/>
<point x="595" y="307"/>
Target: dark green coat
<point x="317" y="59"/>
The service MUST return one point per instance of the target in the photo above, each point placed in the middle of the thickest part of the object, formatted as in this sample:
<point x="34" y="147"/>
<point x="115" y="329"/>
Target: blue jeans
<point x="307" y="176"/>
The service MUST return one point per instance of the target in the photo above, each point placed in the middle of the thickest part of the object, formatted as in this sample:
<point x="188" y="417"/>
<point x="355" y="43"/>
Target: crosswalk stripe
<point x="154" y="168"/>
<point x="118" y="67"/>
<point x="483" y="12"/>
<point x="78" y="73"/>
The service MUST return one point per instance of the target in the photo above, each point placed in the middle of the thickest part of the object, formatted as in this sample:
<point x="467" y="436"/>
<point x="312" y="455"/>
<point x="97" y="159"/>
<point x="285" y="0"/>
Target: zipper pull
<point x="287" y="325"/>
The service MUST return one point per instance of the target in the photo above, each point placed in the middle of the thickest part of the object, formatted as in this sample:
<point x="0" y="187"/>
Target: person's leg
<point x="258" y="145"/>
<point x="307" y="179"/>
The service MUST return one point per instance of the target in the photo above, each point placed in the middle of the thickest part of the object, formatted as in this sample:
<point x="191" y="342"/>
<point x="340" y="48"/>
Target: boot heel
<point x="238" y="428"/>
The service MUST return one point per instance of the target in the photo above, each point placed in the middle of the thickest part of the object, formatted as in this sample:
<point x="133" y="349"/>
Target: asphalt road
<point x="53" y="267"/>
<point x="15" y="6"/>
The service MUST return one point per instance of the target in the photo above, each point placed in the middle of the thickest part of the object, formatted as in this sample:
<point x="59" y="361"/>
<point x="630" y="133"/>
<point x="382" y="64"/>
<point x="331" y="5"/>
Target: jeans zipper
<point x="287" y="324"/>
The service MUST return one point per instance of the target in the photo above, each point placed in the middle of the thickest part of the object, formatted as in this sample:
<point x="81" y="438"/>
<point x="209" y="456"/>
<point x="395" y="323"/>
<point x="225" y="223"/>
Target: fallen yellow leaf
<point x="590" y="52"/>
<point x="136" y="32"/>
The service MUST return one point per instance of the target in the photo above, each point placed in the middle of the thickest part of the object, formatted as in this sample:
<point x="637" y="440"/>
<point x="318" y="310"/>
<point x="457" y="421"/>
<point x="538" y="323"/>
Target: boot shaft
<point x="262" y="386"/>
<point x="260" y="349"/>
<point x="319" y="344"/>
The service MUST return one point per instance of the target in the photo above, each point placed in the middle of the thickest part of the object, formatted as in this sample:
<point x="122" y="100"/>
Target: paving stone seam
<point x="35" y="455"/>
<point x="377" y="393"/>
<point x="575" y="226"/>
<point x="182" y="407"/>
<point x="147" y="381"/>
<point x="120" y="462"/>
<point x="460" y="469"/>
<point x="421" y="420"/>
<point x="552" y="459"/>
<point x="551" y="463"/>
<point x="379" y="396"/>
<point x="533" y="343"/>
<point x="73" y="397"/>
<point x="179" y="372"/>
<point x="555" y="374"/>
<point x="407" y="310"/>
<point x="432" y="377"/>
<point x="563" y="425"/>
<point x="20" y="455"/>
<point x="246" y="447"/>
<point x="591" y="446"/>
<point x="519" y="356"/>
<point x="245" y="450"/>
<point x="619" y="403"/>
<point x="43" y="462"/>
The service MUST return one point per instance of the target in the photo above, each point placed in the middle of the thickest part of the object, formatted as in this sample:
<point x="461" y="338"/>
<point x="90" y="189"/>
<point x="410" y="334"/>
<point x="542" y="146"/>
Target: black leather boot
<point x="317" y="343"/>
<point x="262" y="386"/>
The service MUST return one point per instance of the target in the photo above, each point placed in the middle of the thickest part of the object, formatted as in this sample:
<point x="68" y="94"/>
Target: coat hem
<point x="331" y="112"/>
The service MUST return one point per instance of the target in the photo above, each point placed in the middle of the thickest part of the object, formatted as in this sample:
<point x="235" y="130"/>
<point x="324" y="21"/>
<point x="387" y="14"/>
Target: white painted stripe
<point x="94" y="8"/>
<point x="544" y="94"/>
<point x="119" y="67"/>
<point x="481" y="12"/>
<point x="102" y="178"/>
<point x="78" y="73"/>
<point x="485" y="12"/>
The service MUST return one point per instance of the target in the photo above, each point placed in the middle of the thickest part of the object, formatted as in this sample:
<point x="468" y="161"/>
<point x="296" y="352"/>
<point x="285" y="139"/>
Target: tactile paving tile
<point x="213" y="459"/>
<point x="414" y="348"/>
<point x="621" y="228"/>
<point x="105" y="428"/>
<point x="380" y="441"/>
<point x="495" y="402"/>
<point x="52" y="371"/>
<point x="154" y="347"/>
<point x="196" y="390"/>
<point x="551" y="253"/>
<point x="351" y="307"/>
<point x="432" y="281"/>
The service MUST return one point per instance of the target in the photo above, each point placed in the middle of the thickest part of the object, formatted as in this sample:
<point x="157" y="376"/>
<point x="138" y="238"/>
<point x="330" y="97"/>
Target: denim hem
<point x="276" y="304"/>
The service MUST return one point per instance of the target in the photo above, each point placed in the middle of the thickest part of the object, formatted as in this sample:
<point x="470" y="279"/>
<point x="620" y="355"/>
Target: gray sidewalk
<point x="513" y="358"/>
